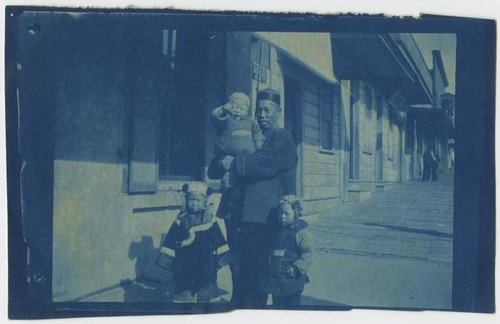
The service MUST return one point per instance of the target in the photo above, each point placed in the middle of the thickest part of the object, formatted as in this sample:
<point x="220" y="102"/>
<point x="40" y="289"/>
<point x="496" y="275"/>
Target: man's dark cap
<point x="269" y="94"/>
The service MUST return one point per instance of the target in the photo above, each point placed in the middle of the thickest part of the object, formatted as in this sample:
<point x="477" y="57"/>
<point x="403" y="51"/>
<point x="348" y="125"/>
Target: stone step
<point x="383" y="187"/>
<point x="355" y="195"/>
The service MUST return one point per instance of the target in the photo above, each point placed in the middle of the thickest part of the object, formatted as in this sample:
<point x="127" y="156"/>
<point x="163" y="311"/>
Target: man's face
<point x="267" y="114"/>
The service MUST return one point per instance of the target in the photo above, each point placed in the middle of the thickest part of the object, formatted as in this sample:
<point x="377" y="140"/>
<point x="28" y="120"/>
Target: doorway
<point x="354" y="134"/>
<point x="379" y="155"/>
<point x="293" y="104"/>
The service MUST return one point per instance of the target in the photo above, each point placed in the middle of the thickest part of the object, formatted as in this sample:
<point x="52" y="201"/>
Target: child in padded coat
<point x="194" y="248"/>
<point x="289" y="257"/>
<point x="236" y="133"/>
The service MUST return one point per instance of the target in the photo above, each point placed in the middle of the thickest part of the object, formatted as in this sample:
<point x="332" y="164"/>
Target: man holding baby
<point x="253" y="180"/>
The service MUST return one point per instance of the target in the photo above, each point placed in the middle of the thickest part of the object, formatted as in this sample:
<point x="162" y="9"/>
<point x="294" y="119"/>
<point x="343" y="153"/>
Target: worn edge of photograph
<point x="470" y="153"/>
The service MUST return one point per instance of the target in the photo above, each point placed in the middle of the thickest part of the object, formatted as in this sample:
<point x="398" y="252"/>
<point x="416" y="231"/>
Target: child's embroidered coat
<point x="194" y="248"/>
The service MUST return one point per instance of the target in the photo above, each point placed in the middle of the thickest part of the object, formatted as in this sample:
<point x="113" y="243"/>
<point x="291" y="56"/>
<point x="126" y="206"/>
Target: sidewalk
<point x="393" y="250"/>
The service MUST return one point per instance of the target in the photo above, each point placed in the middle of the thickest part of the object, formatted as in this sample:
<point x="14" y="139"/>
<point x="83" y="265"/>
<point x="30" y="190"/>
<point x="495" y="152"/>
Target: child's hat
<point x="196" y="188"/>
<point x="294" y="202"/>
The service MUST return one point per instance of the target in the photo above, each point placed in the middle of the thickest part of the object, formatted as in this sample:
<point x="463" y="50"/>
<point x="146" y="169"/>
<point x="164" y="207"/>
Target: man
<point x="266" y="175"/>
<point x="435" y="167"/>
<point x="430" y="164"/>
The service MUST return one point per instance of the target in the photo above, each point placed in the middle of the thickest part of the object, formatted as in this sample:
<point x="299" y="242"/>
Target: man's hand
<point x="291" y="272"/>
<point x="226" y="162"/>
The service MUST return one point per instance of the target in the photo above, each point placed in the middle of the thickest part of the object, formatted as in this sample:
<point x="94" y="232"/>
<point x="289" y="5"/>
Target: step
<point x="383" y="186"/>
<point x="358" y="195"/>
<point x="359" y="185"/>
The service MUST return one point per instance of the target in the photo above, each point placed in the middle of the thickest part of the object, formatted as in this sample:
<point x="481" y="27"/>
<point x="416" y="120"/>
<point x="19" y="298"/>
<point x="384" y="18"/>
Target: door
<point x="293" y="103"/>
<point x="379" y="155"/>
<point x="354" y="134"/>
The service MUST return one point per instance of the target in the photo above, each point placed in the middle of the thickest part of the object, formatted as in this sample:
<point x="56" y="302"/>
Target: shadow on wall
<point x="153" y="283"/>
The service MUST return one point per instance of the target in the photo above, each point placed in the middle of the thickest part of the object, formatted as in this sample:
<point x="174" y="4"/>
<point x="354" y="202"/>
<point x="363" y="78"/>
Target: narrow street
<point x="393" y="250"/>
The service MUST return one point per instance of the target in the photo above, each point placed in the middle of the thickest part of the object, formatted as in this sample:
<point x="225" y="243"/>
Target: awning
<point x="392" y="61"/>
<point x="434" y="118"/>
<point x="312" y="50"/>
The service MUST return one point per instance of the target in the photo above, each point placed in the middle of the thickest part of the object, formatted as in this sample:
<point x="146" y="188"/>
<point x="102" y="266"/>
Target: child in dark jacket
<point x="194" y="249"/>
<point x="289" y="257"/>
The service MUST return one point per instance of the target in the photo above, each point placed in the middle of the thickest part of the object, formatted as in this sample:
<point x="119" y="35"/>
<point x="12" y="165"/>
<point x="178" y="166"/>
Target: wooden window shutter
<point x="143" y="160"/>
<point x="143" y="167"/>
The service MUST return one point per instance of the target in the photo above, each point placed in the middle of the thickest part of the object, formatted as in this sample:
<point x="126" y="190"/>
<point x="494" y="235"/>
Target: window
<point x="182" y="110"/>
<point x="329" y="104"/>
<point x="391" y="142"/>
<point x="336" y="115"/>
<point x="409" y="136"/>
<point x="167" y="108"/>
<point x="354" y="125"/>
<point x="368" y="128"/>
<point x="326" y="119"/>
<point x="368" y="97"/>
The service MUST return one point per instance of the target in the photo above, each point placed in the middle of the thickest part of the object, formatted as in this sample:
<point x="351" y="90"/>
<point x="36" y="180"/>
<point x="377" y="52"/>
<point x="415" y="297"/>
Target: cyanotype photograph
<point x="171" y="162"/>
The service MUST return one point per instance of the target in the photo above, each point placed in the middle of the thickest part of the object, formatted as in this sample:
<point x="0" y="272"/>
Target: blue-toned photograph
<point x="182" y="162"/>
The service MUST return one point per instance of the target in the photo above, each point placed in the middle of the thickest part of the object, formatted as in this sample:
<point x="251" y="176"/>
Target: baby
<point x="237" y="133"/>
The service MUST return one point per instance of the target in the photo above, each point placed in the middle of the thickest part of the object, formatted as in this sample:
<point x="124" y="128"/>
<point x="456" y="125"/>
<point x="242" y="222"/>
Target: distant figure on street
<point x="194" y="249"/>
<point x="430" y="164"/>
<point x="451" y="154"/>
<point x="289" y="255"/>
<point x="435" y="167"/>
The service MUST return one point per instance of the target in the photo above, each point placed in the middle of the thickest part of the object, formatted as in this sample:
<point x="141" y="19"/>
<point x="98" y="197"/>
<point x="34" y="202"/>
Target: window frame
<point x="327" y="90"/>
<point x="171" y="65"/>
<point x="369" y="129"/>
<point x="390" y="143"/>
